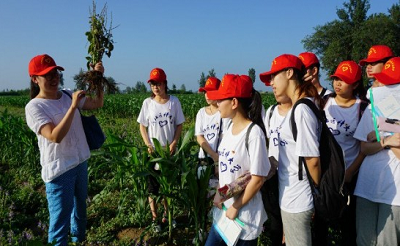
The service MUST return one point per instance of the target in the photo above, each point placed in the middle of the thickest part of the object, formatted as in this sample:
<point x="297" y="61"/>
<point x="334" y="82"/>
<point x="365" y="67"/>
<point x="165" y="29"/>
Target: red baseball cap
<point x="308" y="59"/>
<point x="212" y="84"/>
<point x="233" y="85"/>
<point x="377" y="53"/>
<point x="42" y="64"/>
<point x="279" y="63"/>
<point x="348" y="71"/>
<point x="390" y="73"/>
<point x="157" y="75"/>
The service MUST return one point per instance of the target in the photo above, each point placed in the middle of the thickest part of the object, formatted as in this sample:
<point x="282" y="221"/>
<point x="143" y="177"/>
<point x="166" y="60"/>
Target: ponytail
<point x="307" y="89"/>
<point x="253" y="107"/>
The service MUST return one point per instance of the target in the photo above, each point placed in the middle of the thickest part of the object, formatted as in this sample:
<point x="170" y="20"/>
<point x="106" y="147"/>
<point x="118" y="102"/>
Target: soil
<point x="180" y="235"/>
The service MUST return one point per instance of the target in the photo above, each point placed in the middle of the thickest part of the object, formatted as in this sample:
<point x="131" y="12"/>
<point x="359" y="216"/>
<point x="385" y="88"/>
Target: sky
<point x="185" y="38"/>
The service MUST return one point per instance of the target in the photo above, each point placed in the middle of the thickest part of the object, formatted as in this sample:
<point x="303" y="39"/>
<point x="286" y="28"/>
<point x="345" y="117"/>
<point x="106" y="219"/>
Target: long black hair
<point x="253" y="107"/>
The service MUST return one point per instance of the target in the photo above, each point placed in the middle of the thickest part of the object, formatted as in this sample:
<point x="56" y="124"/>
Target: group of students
<point x="233" y="131"/>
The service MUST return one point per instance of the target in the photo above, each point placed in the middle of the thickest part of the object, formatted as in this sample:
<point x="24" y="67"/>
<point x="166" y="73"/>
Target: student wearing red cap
<point x="208" y="127"/>
<point x="54" y="118"/>
<point x="377" y="56"/>
<point x="160" y="117"/>
<point x="238" y="101"/>
<point x="378" y="184"/>
<point x="273" y="119"/>
<point x="295" y="197"/>
<point x="312" y="65"/>
<point x="343" y="110"/>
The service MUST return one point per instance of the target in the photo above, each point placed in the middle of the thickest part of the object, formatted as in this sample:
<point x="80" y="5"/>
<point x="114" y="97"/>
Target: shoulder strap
<point x="319" y="116"/>
<point x="219" y="134"/>
<point x="312" y="106"/>
<point x="66" y="93"/>
<point x="322" y="92"/>
<point x="271" y="113"/>
<point x="247" y="135"/>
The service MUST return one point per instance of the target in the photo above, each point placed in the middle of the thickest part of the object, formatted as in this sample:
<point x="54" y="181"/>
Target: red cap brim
<point x="385" y="79"/>
<point x="45" y="71"/>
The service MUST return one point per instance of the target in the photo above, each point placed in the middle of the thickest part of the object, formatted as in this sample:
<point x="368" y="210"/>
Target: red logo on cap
<point x="208" y="82"/>
<point x="46" y="59"/>
<point x="301" y="58"/>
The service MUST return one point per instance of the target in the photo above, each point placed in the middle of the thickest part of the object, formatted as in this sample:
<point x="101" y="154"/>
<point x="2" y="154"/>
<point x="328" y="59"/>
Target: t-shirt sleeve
<point x="308" y="132"/>
<point x="365" y="126"/>
<point x="258" y="153"/>
<point x="144" y="112"/>
<point x="199" y="123"/>
<point x="36" y="118"/>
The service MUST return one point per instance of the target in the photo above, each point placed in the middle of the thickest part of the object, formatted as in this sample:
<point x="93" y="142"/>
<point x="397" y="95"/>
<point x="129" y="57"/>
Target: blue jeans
<point x="66" y="198"/>
<point x="214" y="239"/>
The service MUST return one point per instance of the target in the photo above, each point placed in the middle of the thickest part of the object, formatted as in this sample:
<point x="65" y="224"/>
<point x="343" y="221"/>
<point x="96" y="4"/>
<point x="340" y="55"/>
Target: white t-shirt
<point x="235" y="160"/>
<point x="208" y="126"/>
<point x="161" y="119"/>
<point x="343" y="123"/>
<point x="294" y="194"/>
<point x="57" y="158"/>
<point x="327" y="92"/>
<point x="379" y="175"/>
<point x="272" y="126"/>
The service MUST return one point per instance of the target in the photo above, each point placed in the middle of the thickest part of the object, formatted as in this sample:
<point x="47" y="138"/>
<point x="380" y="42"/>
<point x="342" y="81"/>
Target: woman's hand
<point x="76" y="98"/>
<point x="172" y="148"/>
<point x="392" y="141"/>
<point x="217" y="200"/>
<point x="371" y="137"/>
<point x="150" y="148"/>
<point x="98" y="67"/>
<point x="232" y="212"/>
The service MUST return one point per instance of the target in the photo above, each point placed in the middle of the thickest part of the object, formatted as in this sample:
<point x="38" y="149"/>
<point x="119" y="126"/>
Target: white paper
<point x="228" y="229"/>
<point x="387" y="101"/>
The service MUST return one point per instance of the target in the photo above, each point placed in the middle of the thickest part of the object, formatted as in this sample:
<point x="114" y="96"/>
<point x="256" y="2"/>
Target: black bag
<point x="331" y="197"/>
<point x="94" y="134"/>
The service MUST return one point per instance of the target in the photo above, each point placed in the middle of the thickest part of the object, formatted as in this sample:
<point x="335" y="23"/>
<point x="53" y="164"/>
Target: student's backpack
<point x="331" y="196"/>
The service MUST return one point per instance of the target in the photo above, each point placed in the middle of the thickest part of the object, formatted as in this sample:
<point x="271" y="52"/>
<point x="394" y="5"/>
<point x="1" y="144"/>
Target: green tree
<point x="183" y="88"/>
<point x="80" y="80"/>
<point x="211" y="73"/>
<point x="252" y="74"/>
<point x="353" y="33"/>
<point x="140" y="87"/>
<point x="202" y="80"/>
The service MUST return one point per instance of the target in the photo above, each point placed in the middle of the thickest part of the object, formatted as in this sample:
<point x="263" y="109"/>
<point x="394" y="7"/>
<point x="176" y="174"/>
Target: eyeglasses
<point x="52" y="74"/>
<point x="155" y="84"/>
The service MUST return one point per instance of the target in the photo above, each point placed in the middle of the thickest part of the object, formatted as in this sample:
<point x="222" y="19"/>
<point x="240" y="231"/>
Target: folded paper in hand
<point x="388" y="125"/>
